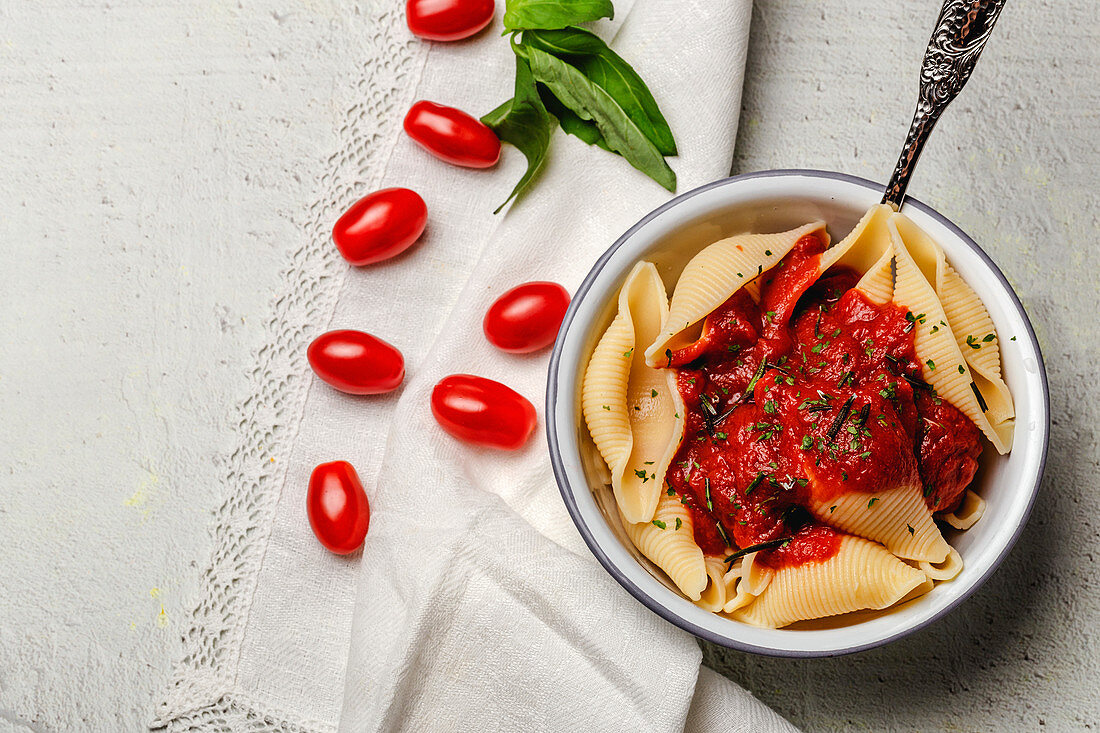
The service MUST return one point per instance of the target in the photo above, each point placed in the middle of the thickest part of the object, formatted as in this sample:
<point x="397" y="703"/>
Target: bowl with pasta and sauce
<point x="795" y="421"/>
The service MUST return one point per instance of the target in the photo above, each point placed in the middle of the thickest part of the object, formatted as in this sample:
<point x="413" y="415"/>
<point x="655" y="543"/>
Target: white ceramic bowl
<point x="766" y="202"/>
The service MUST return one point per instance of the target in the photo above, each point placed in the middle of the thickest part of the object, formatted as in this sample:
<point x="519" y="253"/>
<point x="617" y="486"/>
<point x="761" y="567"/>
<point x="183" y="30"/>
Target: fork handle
<point x="957" y="41"/>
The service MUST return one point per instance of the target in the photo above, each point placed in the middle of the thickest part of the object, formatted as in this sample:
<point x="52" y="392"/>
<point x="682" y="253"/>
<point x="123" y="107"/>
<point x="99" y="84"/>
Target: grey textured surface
<point x="157" y="161"/>
<point x="1014" y="162"/>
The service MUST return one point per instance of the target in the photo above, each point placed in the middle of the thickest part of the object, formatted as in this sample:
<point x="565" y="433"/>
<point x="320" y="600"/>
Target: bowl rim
<point x="562" y="479"/>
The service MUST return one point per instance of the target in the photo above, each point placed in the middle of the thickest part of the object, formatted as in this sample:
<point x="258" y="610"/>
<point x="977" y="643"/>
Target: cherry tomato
<point x="356" y="362"/>
<point x="337" y="507"/>
<point x="447" y="20"/>
<point x="452" y="135"/>
<point x="483" y="412"/>
<point x="380" y="225"/>
<point x="527" y="317"/>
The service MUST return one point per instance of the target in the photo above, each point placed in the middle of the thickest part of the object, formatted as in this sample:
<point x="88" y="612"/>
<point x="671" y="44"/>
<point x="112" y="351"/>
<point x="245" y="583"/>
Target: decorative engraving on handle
<point x="961" y="32"/>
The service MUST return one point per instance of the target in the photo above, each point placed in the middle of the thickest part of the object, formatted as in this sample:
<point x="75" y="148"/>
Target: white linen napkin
<point x="479" y="607"/>
<point x="477" y="604"/>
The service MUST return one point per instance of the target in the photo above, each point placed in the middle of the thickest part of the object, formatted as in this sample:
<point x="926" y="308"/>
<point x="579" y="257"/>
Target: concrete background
<point x="157" y="161"/>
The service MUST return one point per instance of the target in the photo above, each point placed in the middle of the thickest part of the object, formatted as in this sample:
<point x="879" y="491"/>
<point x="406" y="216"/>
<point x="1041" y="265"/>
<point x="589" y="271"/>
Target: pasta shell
<point x="969" y="511"/>
<point x="713" y="597"/>
<point x="949" y="568"/>
<point x="897" y="518"/>
<point x="749" y="580"/>
<point x="865" y="245"/>
<point x="715" y="274"/>
<point x="671" y="545"/>
<point x="969" y="320"/>
<point x="943" y="364"/>
<point x="634" y="413"/>
<point x="862" y="574"/>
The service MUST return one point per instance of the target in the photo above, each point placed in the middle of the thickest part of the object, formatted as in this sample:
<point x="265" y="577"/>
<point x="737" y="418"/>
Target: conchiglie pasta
<point x="751" y="578"/>
<point x="969" y="511"/>
<point x="947" y="569"/>
<point x="731" y="586"/>
<point x="973" y="328"/>
<point x="861" y="575"/>
<point x="897" y="517"/>
<point x="865" y="245"/>
<point x="877" y="284"/>
<point x="966" y="315"/>
<point x="943" y="365"/>
<point x="721" y="584"/>
<point x="867" y="249"/>
<point x="668" y="541"/>
<point x="715" y="274"/>
<point x="754" y="452"/>
<point x="634" y="413"/>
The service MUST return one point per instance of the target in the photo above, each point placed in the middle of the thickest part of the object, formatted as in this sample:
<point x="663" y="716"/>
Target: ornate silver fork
<point x="957" y="41"/>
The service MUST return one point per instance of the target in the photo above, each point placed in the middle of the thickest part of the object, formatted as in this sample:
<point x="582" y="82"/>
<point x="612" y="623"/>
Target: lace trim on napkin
<point x="202" y="692"/>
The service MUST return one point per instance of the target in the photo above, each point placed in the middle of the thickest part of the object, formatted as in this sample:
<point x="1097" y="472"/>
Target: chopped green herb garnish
<point x="910" y="528"/>
<point x="871" y="503"/>
<point x="931" y="364"/>
<point x="659" y="524"/>
<point x="807" y="442"/>
<point x="628" y="352"/>
<point x="679" y="523"/>
<point x="652" y="393"/>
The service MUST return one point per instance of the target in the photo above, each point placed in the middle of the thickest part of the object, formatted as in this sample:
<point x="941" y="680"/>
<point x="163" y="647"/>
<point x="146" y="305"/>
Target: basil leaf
<point x="494" y="118"/>
<point x="608" y="70"/>
<point x="524" y="122"/>
<point x="526" y="14"/>
<point x="591" y="102"/>
<point x="570" y="123"/>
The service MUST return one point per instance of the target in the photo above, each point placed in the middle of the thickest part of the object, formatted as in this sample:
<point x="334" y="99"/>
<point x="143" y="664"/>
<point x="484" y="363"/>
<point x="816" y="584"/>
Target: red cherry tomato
<point x="483" y="412"/>
<point x="380" y="225"/>
<point x="337" y="507"/>
<point x="527" y="317"/>
<point x="356" y="362"/>
<point x="447" y="20"/>
<point x="452" y="135"/>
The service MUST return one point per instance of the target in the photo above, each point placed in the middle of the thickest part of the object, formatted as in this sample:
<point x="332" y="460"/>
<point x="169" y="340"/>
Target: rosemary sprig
<point x="752" y="382"/>
<point x="845" y="410"/>
<point x="981" y="400"/>
<point x="767" y="545"/>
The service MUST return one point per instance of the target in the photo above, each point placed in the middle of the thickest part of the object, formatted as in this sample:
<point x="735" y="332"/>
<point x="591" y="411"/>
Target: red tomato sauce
<point x="812" y="393"/>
